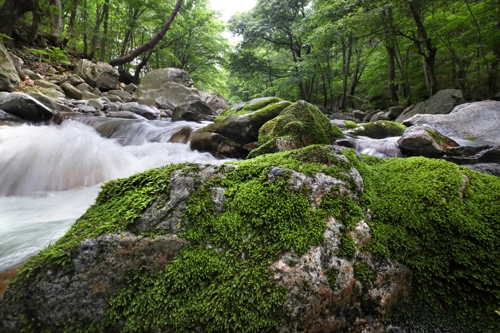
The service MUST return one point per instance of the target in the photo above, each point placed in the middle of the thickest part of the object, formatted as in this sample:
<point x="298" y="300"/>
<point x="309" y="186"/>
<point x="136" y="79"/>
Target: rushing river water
<point x="49" y="175"/>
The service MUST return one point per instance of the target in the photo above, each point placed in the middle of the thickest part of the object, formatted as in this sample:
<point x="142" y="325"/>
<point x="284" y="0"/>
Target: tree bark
<point x="427" y="49"/>
<point x="391" y="54"/>
<point x="346" y="64"/>
<point x="104" y="38"/>
<point x="71" y="25"/>
<point x="152" y="43"/>
<point x="56" y="22"/>
<point x="11" y="11"/>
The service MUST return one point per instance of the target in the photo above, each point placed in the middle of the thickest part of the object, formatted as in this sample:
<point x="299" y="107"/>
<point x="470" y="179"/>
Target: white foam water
<point x="387" y="147"/>
<point x="49" y="175"/>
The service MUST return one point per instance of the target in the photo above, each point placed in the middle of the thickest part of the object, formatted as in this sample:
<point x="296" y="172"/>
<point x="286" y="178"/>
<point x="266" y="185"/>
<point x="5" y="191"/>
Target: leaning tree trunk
<point x="11" y="11"/>
<point x="152" y="43"/>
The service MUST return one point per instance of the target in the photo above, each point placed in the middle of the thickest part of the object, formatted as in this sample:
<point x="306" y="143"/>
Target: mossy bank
<point x="316" y="239"/>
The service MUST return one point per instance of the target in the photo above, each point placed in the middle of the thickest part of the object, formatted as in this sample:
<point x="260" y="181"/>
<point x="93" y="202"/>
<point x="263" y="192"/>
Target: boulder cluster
<point x="94" y="89"/>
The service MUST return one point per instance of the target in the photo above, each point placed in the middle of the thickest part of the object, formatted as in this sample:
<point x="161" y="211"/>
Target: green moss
<point x="440" y="139"/>
<point x="347" y="246"/>
<point x="441" y="221"/>
<point x="302" y="124"/>
<point x="249" y="108"/>
<point x="437" y="218"/>
<point x="363" y="273"/>
<point x="331" y="277"/>
<point x="119" y="203"/>
<point x="221" y="281"/>
<point x="350" y="124"/>
<point x="380" y="129"/>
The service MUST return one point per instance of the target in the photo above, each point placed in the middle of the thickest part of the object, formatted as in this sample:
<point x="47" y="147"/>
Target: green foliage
<point x="442" y="221"/>
<point x="4" y="36"/>
<point x="51" y="54"/>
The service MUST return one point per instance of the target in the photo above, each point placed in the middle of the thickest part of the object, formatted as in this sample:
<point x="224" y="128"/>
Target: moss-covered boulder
<point x="299" y="125"/>
<point x="315" y="238"/>
<point x="239" y="128"/>
<point x="380" y="129"/>
<point x="248" y="107"/>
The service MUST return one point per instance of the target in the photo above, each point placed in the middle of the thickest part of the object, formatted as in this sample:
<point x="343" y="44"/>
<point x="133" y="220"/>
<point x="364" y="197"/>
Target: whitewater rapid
<point x="49" y="175"/>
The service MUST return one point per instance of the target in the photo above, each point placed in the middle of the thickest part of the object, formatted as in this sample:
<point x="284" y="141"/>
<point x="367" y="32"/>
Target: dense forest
<point x="340" y="54"/>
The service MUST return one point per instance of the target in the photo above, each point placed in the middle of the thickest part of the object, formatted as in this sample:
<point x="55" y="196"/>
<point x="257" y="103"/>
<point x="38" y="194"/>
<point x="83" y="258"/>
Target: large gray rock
<point x="100" y="75"/>
<point x="424" y="141"/>
<point x="98" y="271"/>
<point x="443" y="102"/>
<point x="9" y="78"/>
<point x="159" y="76"/>
<point x="25" y="107"/>
<point x="142" y="110"/>
<point x="71" y="91"/>
<point x="215" y="101"/>
<point x="9" y="119"/>
<point x="194" y="111"/>
<point x="478" y="121"/>
<point x="124" y="115"/>
<point x="48" y="85"/>
<point x="427" y="141"/>
<point x="124" y="96"/>
<point x="50" y="102"/>
<point x="234" y="135"/>
<point x="176" y="93"/>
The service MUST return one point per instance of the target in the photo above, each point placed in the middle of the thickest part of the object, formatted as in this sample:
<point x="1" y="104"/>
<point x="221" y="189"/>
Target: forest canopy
<point x="340" y="54"/>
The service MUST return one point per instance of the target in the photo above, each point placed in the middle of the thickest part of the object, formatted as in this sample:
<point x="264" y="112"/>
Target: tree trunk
<point x="152" y="43"/>
<point x="71" y="25"/>
<point x="402" y="70"/>
<point x="141" y="65"/>
<point x="33" y="35"/>
<point x="427" y="49"/>
<point x="85" y="17"/>
<point x="354" y="78"/>
<point x="346" y="64"/>
<point x="391" y="54"/>
<point x="56" y="22"/>
<point x="99" y="17"/>
<point x="11" y="11"/>
<point x="104" y="38"/>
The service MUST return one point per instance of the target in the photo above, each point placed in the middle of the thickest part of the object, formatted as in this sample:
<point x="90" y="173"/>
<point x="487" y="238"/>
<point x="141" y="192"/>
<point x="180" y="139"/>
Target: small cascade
<point x="49" y="175"/>
<point x="387" y="147"/>
<point x="136" y="132"/>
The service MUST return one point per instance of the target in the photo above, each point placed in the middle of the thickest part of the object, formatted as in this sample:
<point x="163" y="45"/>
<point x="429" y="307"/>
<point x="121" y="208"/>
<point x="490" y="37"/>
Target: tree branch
<point x="152" y="43"/>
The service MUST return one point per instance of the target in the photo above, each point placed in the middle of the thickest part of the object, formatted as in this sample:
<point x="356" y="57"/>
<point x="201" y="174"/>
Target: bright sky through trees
<point x="230" y="7"/>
